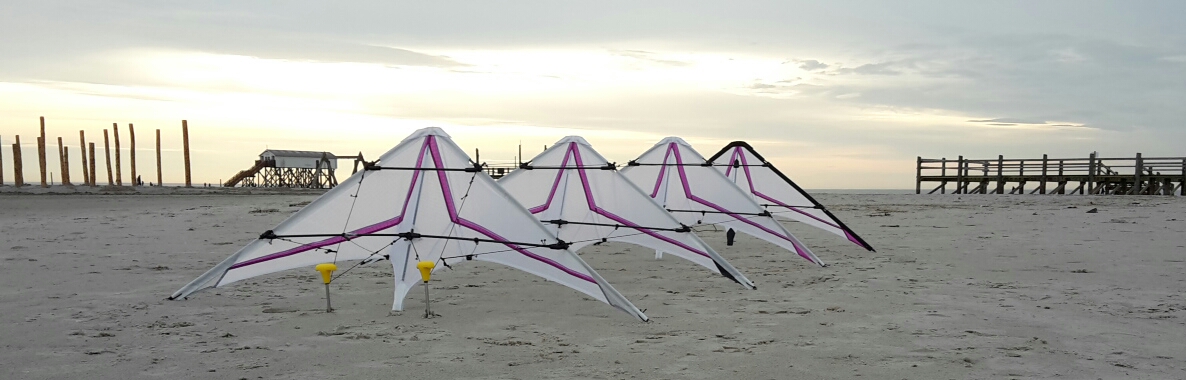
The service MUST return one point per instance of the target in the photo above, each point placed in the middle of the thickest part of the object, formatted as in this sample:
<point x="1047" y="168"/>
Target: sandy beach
<point x="962" y="287"/>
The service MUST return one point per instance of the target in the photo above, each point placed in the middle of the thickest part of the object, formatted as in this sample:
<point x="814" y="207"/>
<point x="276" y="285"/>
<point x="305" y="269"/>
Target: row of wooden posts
<point x="1137" y="175"/>
<point x="88" y="158"/>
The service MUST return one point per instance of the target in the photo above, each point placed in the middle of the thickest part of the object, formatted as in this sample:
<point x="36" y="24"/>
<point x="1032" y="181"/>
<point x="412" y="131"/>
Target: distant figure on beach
<point x="729" y="235"/>
<point x="139" y="181"/>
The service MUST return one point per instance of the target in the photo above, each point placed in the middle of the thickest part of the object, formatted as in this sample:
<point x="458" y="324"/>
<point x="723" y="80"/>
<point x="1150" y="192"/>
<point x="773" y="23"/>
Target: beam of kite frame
<point x="529" y="166"/>
<point x="559" y="245"/>
<point x="472" y="169"/>
<point x="559" y="222"/>
<point x="763" y="213"/>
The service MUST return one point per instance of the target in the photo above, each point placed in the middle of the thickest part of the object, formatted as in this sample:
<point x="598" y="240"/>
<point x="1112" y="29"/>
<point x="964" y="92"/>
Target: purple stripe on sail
<point x="688" y="192"/>
<point x="597" y="209"/>
<point x="552" y="193"/>
<point x="445" y="189"/>
<point x="339" y="239"/>
<point x="662" y="169"/>
<point x="732" y="159"/>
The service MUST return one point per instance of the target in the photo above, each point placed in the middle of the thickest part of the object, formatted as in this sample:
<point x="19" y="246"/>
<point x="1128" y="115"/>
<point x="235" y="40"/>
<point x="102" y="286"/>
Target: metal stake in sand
<point x="327" y="273"/>
<point x="425" y="268"/>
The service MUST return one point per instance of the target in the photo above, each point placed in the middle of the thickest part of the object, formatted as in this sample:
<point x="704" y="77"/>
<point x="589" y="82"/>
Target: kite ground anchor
<point x="327" y="272"/>
<point x="425" y="268"/>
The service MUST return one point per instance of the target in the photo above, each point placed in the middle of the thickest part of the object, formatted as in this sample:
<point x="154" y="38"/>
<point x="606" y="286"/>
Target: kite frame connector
<point x="559" y="245"/>
<point x="610" y="166"/>
<point x="268" y="235"/>
<point x="683" y="228"/>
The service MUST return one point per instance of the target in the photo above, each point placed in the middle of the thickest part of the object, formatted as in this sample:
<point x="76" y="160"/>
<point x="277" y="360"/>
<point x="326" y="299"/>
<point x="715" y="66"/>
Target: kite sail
<point x="772" y="189"/>
<point x="679" y="179"/>
<point x="581" y="197"/>
<point x="424" y="200"/>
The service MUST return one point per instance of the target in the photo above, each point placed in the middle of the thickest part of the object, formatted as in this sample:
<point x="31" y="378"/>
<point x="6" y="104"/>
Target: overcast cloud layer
<point x="856" y="87"/>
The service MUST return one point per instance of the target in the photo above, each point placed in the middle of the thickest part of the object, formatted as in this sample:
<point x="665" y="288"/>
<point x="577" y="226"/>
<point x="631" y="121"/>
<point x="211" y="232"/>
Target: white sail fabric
<point x="679" y="179"/>
<point x="424" y="200"/>
<point x="776" y="192"/>
<point x="583" y="200"/>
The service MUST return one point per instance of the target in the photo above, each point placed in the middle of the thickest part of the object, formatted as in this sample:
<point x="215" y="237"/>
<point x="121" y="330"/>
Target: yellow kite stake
<point x="327" y="273"/>
<point x="425" y="269"/>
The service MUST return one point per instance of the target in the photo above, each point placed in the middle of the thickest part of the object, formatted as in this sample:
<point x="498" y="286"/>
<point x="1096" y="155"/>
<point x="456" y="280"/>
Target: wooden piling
<point x="119" y="177"/>
<point x="65" y="163"/>
<point x="107" y="151"/>
<point x="1" y="162"/>
<point x="918" y="173"/>
<point x="158" y="158"/>
<point x="18" y="170"/>
<point x="1000" y="175"/>
<point x="185" y="148"/>
<point x="132" y="154"/>
<point x="1021" y="173"/>
<point x="66" y="167"/>
<point x="1136" y="178"/>
<point x="86" y="173"/>
<point x="959" y="175"/>
<point x="1042" y="186"/>
<point x="92" y="158"/>
<point x="943" y="172"/>
<point x="41" y="153"/>
<point x="1091" y="169"/>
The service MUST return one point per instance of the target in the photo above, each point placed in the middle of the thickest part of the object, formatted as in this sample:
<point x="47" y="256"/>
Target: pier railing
<point x="1045" y="175"/>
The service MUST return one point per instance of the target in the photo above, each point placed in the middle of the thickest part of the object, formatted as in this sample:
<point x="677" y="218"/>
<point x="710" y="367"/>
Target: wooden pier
<point x="1093" y="175"/>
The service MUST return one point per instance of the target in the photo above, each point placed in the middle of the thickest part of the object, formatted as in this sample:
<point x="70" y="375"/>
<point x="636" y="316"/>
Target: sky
<point x="837" y="94"/>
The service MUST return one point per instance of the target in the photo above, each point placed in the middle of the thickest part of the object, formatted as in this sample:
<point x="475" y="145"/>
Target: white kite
<point x="773" y="190"/>
<point x="424" y="200"/>
<point x="679" y="179"/>
<point x="581" y="197"/>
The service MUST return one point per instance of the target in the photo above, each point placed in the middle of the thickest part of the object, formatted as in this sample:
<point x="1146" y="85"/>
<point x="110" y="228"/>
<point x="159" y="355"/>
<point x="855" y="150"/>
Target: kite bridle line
<point x="346" y="223"/>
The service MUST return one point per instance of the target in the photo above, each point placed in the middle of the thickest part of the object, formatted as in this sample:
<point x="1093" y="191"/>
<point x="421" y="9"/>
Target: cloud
<point x="812" y="65"/>
<point x="887" y="68"/>
<point x="648" y="57"/>
<point x="1008" y="120"/>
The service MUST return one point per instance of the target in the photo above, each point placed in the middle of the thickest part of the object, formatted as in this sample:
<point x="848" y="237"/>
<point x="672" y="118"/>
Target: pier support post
<point x="1000" y="174"/>
<point x="18" y="170"/>
<point x="1" y="162"/>
<point x="41" y="159"/>
<point x="918" y="173"/>
<point x="959" y="176"/>
<point x="1021" y="175"/>
<point x="158" y="158"/>
<point x="1137" y="186"/>
<point x="86" y="173"/>
<point x="943" y="173"/>
<point x="1091" y="169"/>
<point x="41" y="153"/>
<point x="185" y="148"/>
<point x="107" y="151"/>
<point x="132" y="155"/>
<point x="1042" y="186"/>
<point x="63" y="159"/>
<point x="92" y="157"/>
<point x="119" y="177"/>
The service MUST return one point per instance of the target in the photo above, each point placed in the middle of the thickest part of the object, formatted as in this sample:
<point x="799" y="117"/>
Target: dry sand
<point x="973" y="286"/>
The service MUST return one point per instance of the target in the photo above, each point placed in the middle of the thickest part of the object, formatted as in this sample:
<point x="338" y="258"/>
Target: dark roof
<point x="299" y="153"/>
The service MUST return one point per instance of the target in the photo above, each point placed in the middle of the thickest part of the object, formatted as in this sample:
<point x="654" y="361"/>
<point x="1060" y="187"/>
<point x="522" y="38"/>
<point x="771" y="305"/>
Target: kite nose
<point x="426" y="269"/>
<point x="327" y="271"/>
